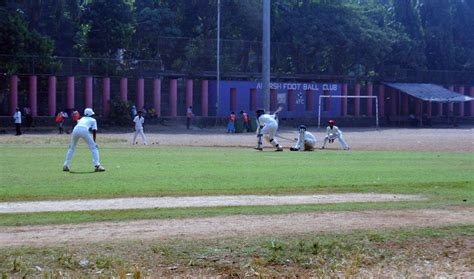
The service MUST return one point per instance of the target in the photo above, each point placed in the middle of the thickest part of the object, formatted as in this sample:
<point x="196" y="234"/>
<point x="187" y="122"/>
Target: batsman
<point x="267" y="127"/>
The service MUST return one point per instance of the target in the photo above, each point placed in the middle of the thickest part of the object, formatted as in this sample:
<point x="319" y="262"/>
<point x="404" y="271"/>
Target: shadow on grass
<point x="81" y="172"/>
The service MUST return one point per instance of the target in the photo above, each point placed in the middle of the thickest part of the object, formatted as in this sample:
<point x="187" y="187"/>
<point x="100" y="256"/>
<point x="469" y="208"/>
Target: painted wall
<point x="296" y="99"/>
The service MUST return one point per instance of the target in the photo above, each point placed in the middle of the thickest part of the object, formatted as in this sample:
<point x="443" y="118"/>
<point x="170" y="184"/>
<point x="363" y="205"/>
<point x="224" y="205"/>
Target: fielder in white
<point x="267" y="127"/>
<point x="306" y="140"/>
<point x="333" y="133"/>
<point x="139" y="120"/>
<point x="81" y="130"/>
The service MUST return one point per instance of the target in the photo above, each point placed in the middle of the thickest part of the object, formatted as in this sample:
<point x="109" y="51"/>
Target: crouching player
<point x="267" y="127"/>
<point x="81" y="130"/>
<point x="333" y="133"/>
<point x="306" y="140"/>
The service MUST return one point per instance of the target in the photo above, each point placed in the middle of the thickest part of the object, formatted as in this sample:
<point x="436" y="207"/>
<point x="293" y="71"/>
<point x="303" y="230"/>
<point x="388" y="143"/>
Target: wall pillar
<point x="451" y="105"/>
<point x="370" y="101"/>
<point x="88" y="99"/>
<point x="70" y="92"/>
<point x="429" y="108"/>
<point x="13" y="94"/>
<point x="140" y="93"/>
<point x="33" y="96"/>
<point x="173" y="97"/>
<point x="405" y="105"/>
<point x="393" y="102"/>
<point x="233" y="99"/>
<point x="157" y="96"/>
<point x="418" y="112"/>
<point x="273" y="100"/>
<point x="106" y="97"/>
<point x="344" y="100"/>
<point x="471" y="93"/>
<point x="461" y="104"/>
<point x="253" y="99"/>
<point x="357" y="100"/>
<point x="205" y="98"/>
<point x="124" y="89"/>
<point x="381" y="100"/>
<point x="52" y="96"/>
<point x="440" y="109"/>
<point x="189" y="93"/>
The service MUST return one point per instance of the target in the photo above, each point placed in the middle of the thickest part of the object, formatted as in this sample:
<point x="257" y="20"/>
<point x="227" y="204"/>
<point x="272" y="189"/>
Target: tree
<point x="107" y="26"/>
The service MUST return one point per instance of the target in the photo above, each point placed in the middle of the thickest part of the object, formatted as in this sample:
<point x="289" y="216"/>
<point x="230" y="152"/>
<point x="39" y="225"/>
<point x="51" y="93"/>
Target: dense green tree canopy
<point x="336" y="37"/>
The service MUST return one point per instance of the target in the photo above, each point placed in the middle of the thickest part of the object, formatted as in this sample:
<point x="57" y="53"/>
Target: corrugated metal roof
<point x="430" y="92"/>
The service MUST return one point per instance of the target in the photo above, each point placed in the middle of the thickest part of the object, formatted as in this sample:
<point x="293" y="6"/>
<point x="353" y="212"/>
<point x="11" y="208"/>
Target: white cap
<point x="88" y="112"/>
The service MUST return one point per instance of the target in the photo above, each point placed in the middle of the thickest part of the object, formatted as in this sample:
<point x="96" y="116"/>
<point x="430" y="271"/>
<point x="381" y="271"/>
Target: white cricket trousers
<point x="339" y="137"/>
<point x="269" y="132"/>
<point x="82" y="132"/>
<point x="139" y="131"/>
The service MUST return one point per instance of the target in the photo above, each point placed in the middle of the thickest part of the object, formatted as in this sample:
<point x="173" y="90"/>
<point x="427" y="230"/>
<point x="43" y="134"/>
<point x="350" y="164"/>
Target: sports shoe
<point x="99" y="168"/>
<point x="65" y="168"/>
<point x="258" y="148"/>
<point x="279" y="149"/>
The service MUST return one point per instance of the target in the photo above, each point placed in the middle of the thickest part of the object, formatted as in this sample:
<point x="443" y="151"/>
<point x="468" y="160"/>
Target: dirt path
<point x="232" y="226"/>
<point x="400" y="139"/>
<point x="198" y="201"/>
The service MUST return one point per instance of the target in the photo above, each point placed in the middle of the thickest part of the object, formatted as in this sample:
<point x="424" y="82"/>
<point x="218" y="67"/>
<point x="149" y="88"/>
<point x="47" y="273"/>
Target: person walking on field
<point x="60" y="121"/>
<point x="17" y="120"/>
<point x="139" y="120"/>
<point x="82" y="131"/>
<point x="333" y="133"/>
<point x="245" y="120"/>
<point x="231" y="124"/>
<point x="189" y="116"/>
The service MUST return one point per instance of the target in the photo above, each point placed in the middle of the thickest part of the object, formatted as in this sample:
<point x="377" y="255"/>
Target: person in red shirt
<point x="60" y="121"/>
<point x="231" y="125"/>
<point x="245" y="120"/>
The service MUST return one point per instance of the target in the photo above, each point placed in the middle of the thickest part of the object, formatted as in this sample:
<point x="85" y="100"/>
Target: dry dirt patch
<point x="198" y="201"/>
<point x="232" y="226"/>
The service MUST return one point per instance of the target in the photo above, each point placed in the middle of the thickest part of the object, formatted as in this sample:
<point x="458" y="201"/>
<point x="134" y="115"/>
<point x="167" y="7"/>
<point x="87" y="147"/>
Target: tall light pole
<point x="266" y="55"/>
<point x="218" y="55"/>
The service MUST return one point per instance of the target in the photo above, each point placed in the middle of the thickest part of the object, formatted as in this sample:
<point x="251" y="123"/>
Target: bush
<point x="120" y="112"/>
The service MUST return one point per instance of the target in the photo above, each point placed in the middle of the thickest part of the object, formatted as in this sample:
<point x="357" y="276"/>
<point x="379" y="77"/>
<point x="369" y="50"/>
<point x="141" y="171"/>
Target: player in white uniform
<point x="267" y="127"/>
<point x="139" y="120"/>
<point x="306" y="140"/>
<point x="333" y="133"/>
<point x="81" y="130"/>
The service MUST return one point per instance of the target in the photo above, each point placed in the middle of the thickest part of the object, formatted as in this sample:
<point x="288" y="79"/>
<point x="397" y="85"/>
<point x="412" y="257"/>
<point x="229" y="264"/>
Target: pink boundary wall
<point x="205" y="98"/>
<point x="157" y="96"/>
<point x="428" y="107"/>
<point x="51" y="95"/>
<point x="33" y="96"/>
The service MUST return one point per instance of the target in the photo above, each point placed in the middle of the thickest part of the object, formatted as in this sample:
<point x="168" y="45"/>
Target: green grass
<point x="34" y="173"/>
<point x="29" y="173"/>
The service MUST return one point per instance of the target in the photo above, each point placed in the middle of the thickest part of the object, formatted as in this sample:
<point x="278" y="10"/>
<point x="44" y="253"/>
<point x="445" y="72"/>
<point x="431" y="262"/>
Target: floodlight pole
<point x="266" y="55"/>
<point x="218" y="89"/>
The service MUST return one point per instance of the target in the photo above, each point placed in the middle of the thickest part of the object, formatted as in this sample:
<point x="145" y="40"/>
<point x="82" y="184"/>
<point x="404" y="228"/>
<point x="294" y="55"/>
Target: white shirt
<point x="267" y="119"/>
<point x="139" y="122"/>
<point x="17" y="117"/>
<point x="306" y="136"/>
<point x="87" y="122"/>
<point x="334" y="132"/>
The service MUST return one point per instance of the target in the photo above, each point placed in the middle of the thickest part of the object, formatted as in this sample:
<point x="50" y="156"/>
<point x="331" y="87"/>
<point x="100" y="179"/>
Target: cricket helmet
<point x="302" y="127"/>
<point x="259" y="112"/>
<point x="88" y="112"/>
<point x="331" y="122"/>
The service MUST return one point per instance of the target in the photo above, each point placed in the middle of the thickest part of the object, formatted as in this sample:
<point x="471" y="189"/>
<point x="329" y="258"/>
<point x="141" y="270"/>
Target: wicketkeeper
<point x="306" y="140"/>
<point x="333" y="133"/>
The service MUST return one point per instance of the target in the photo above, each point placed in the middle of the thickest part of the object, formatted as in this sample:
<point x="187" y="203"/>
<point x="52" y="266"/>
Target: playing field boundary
<point x="197" y="201"/>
